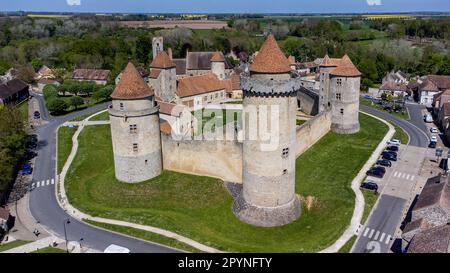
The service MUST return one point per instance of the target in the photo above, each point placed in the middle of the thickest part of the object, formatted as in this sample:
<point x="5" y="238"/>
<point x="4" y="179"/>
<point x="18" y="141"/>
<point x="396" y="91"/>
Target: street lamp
<point x="81" y="240"/>
<point x="65" y="233"/>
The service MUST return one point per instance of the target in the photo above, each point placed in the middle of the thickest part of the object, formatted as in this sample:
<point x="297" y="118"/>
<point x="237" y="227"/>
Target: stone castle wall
<point x="312" y="131"/>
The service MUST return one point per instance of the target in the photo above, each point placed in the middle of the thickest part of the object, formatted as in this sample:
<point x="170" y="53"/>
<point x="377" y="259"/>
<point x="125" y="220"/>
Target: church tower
<point x="157" y="45"/>
<point x="268" y="197"/>
<point x="135" y="130"/>
<point x="345" y="85"/>
<point x="165" y="84"/>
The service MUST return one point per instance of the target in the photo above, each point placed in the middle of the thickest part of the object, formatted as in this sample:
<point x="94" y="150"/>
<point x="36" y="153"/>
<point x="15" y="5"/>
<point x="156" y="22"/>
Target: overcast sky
<point x="226" y="6"/>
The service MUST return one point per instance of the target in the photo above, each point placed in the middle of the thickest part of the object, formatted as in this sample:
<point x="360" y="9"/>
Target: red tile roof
<point x="131" y="85"/>
<point x="170" y="109"/>
<point x="345" y="68"/>
<point x="165" y="128"/>
<point x="392" y="86"/>
<point x="217" y="57"/>
<point x="162" y="61"/>
<point x="154" y="74"/>
<point x="270" y="59"/>
<point x="91" y="74"/>
<point x="201" y="84"/>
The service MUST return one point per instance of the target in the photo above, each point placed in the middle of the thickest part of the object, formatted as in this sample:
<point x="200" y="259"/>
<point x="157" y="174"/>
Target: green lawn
<point x="400" y="134"/>
<point x="200" y="207"/>
<point x="83" y="117"/>
<point x="212" y="119"/>
<point x="300" y="122"/>
<point x="102" y="116"/>
<point x="49" y="250"/>
<point x="24" y="111"/>
<point x="370" y="199"/>
<point x="65" y="135"/>
<point x="348" y="246"/>
<point x="13" y="244"/>
<point x="403" y="115"/>
<point x="148" y="236"/>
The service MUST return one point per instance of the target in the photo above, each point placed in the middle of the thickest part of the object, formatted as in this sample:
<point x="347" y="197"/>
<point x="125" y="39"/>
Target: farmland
<point x="192" y="24"/>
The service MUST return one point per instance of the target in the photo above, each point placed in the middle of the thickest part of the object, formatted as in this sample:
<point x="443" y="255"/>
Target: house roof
<point x="47" y="81"/>
<point x="235" y="81"/>
<point x="196" y="85"/>
<point x="270" y="59"/>
<point x="131" y="85"/>
<point x="446" y="109"/>
<point x="170" y="109"/>
<point x="436" y="192"/>
<point x="345" y="68"/>
<point x="433" y="240"/>
<point x="162" y="61"/>
<point x="392" y="86"/>
<point x="45" y="71"/>
<point x="154" y="74"/>
<point x="202" y="61"/>
<point x="441" y="82"/>
<point x="329" y="62"/>
<point x="291" y="60"/>
<point x="217" y="57"/>
<point x="91" y="74"/>
<point x="181" y="66"/>
<point x="11" y="87"/>
<point x="428" y="85"/>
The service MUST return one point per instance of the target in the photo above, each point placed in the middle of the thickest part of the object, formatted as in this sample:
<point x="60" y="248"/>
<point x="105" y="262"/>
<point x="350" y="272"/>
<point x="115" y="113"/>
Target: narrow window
<point x="339" y="82"/>
<point x="135" y="147"/>
<point x="285" y="153"/>
<point x="133" y="129"/>
<point x="342" y="111"/>
<point x="121" y="106"/>
<point x="338" y="96"/>
<point x="284" y="171"/>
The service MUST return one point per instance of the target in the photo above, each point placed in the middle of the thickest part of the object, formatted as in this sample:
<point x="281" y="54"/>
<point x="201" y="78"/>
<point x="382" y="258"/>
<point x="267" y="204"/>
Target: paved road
<point x="43" y="203"/>
<point x="377" y="235"/>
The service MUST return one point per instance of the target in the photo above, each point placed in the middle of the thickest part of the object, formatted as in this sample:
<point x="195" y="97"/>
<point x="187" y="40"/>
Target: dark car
<point x="384" y="162"/>
<point x="37" y="115"/>
<point x="392" y="148"/>
<point x="376" y="173"/>
<point x="30" y="154"/>
<point x="390" y="153"/>
<point x="432" y="144"/>
<point x="369" y="185"/>
<point x="26" y="169"/>
<point x="380" y="168"/>
<point x="389" y="157"/>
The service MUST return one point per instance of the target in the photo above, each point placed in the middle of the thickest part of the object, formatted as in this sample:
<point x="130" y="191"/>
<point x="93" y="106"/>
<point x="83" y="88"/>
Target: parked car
<point x="433" y="144"/>
<point x="37" y="115"/>
<point x="375" y="172"/>
<point x="390" y="152"/>
<point x="434" y="130"/>
<point x="392" y="148"/>
<point x="380" y="168"/>
<point x="367" y="97"/>
<point x="26" y="169"/>
<point x="428" y="118"/>
<point x="384" y="162"/>
<point x="30" y="154"/>
<point x="433" y="138"/>
<point x="370" y="185"/>
<point x="394" y="142"/>
<point x="388" y="156"/>
<point x="116" y="249"/>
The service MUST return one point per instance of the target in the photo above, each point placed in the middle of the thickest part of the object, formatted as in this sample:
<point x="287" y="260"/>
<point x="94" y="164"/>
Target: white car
<point x="433" y="138"/>
<point x="394" y="142"/>
<point x="434" y="130"/>
<point x="116" y="249"/>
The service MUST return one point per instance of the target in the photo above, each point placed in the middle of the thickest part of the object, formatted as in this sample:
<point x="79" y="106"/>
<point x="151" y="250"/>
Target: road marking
<point x="395" y="174"/>
<point x="365" y="232"/>
<point x="412" y="178"/>
<point x="33" y="185"/>
<point x="38" y="184"/>
<point x="382" y="237"/>
<point x="48" y="182"/>
<point x="371" y="233"/>
<point x="53" y="181"/>
<point x="407" y="177"/>
<point x="388" y="239"/>
<point x="403" y="175"/>
<point x="376" y="235"/>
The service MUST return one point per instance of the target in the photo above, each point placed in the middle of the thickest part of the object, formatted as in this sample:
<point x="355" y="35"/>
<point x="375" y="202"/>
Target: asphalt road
<point x="44" y="206"/>
<point x="378" y="232"/>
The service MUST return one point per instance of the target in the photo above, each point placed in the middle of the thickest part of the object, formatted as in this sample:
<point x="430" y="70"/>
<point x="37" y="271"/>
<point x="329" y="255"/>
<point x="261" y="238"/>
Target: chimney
<point x="169" y="51"/>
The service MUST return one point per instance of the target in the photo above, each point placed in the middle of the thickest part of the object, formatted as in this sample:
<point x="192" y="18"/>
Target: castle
<point x="143" y="147"/>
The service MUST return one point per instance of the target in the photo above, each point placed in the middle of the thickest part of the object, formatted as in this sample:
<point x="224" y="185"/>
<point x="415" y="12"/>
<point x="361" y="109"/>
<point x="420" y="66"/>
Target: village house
<point x="396" y="77"/>
<point x="13" y="92"/>
<point x="200" y="90"/>
<point x="178" y="116"/>
<point x="395" y="89"/>
<point x="233" y="87"/>
<point x="10" y="75"/>
<point x="439" y="100"/>
<point x="430" y="217"/>
<point x="99" y="76"/>
<point x="44" y="73"/>
<point x="431" y="85"/>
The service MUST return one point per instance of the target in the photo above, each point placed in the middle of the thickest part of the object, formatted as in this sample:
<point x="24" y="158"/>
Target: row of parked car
<point x="379" y="170"/>
<point x="31" y="145"/>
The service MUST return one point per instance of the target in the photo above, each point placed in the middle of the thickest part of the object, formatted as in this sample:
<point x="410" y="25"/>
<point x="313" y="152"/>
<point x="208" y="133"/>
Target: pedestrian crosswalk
<point x="376" y="235"/>
<point x="43" y="183"/>
<point x="405" y="176"/>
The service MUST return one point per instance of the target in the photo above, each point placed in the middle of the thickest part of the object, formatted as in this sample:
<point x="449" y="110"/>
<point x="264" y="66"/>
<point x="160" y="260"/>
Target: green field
<point x="13" y="244"/>
<point x="65" y="135"/>
<point x="200" y="207"/>
<point x="49" y="250"/>
<point x="102" y="116"/>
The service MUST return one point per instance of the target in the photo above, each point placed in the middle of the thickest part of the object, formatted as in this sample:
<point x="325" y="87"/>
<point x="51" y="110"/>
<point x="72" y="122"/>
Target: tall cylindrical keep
<point x="345" y="104"/>
<point x="135" y="131"/>
<point x="268" y="196"/>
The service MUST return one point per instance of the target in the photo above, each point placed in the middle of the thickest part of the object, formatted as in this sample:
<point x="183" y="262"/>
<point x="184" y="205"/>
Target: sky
<point x="227" y="6"/>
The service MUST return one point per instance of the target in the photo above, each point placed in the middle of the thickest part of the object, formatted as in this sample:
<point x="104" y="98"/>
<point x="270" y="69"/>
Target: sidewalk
<point x="39" y="244"/>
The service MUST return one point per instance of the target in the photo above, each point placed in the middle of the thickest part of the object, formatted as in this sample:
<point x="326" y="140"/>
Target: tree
<point x="104" y="93"/>
<point x="56" y="106"/>
<point x="75" y="102"/>
<point x="37" y="64"/>
<point x="143" y="48"/>
<point x="50" y="91"/>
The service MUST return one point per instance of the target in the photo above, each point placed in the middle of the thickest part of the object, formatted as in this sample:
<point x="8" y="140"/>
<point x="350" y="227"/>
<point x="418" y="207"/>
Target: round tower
<point x="135" y="131"/>
<point x="345" y="84"/>
<point x="218" y="65"/>
<point x="268" y="197"/>
<point x="165" y="84"/>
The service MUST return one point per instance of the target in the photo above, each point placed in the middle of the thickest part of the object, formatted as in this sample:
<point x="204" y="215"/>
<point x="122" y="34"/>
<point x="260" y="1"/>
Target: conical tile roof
<point x="131" y="85"/>
<point x="217" y="57"/>
<point x="270" y="59"/>
<point x="346" y="68"/>
<point x="162" y="61"/>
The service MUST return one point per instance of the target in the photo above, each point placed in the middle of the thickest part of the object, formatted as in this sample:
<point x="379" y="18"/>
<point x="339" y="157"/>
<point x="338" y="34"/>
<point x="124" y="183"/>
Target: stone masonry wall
<point x="312" y="131"/>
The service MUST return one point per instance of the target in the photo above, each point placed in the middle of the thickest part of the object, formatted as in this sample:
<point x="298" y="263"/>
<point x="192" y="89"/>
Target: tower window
<point x="342" y="111"/>
<point x="284" y="171"/>
<point x="339" y="82"/>
<point x="133" y="129"/>
<point x="285" y="153"/>
<point x="135" y="147"/>
<point x="338" y="96"/>
<point x="121" y="106"/>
